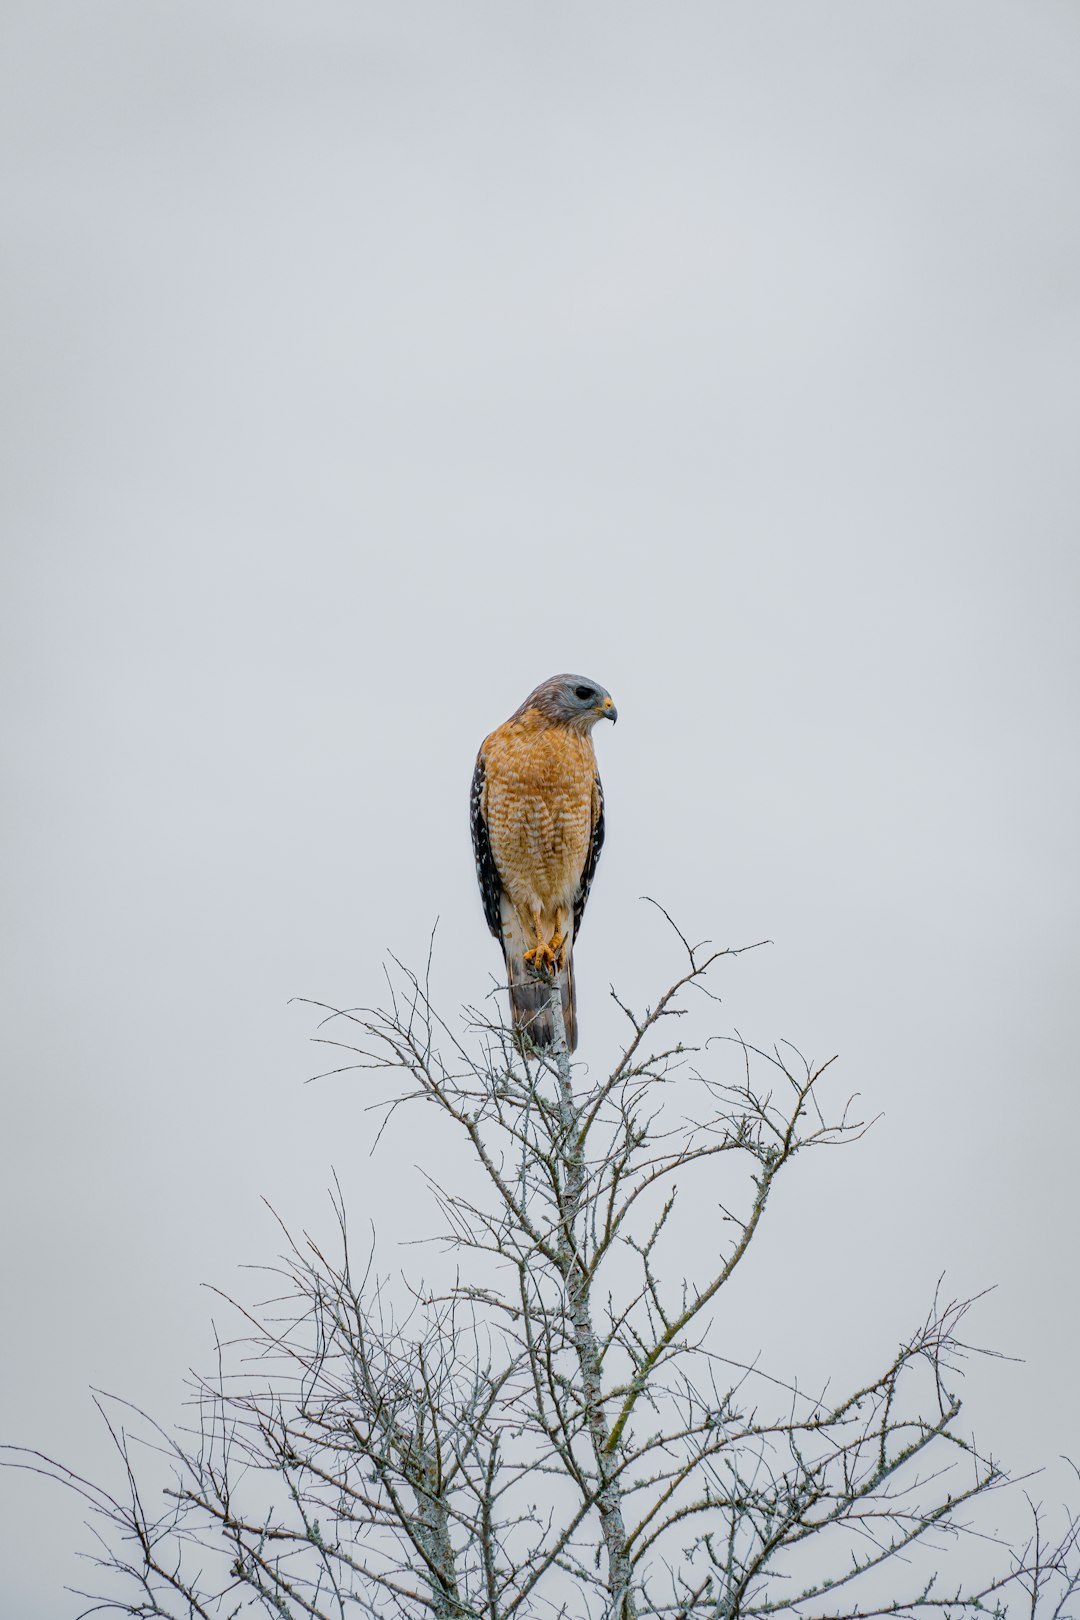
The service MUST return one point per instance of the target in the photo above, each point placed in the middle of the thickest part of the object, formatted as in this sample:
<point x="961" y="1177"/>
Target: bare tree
<point x="556" y="1433"/>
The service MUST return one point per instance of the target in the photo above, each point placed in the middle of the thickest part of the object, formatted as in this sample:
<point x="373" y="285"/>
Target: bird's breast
<point x="538" y="809"/>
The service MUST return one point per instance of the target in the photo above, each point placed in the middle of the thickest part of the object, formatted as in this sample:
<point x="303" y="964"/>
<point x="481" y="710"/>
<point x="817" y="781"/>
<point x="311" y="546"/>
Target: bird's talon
<point x="541" y="959"/>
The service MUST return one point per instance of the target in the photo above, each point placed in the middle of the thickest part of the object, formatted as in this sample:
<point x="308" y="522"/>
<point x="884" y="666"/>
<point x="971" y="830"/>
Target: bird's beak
<point x="607" y="710"/>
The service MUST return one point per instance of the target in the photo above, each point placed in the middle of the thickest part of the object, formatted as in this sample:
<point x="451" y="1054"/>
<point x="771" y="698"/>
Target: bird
<point x="537" y="814"/>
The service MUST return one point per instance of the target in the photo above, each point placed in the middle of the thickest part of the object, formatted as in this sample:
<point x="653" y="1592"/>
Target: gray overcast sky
<point x="362" y="365"/>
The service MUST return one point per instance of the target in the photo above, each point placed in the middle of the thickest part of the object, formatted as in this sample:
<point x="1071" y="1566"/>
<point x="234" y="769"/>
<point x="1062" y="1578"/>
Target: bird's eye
<point x="584" y="693"/>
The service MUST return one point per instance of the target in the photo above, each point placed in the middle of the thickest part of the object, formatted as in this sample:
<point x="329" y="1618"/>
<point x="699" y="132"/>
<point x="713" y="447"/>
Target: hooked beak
<point x="607" y="710"/>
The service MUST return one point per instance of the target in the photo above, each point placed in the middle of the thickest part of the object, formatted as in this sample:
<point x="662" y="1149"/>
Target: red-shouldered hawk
<point x="537" y="813"/>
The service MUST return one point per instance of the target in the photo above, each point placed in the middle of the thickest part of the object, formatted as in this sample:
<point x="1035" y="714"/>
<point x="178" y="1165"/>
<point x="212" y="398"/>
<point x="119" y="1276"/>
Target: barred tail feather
<point x="531" y="1007"/>
<point x="529" y="997"/>
<point x="569" y="1001"/>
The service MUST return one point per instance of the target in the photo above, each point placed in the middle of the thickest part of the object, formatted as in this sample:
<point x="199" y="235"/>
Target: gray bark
<point x="606" y="1457"/>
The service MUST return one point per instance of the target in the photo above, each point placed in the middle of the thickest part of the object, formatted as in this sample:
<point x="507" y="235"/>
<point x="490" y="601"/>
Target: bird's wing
<point x="595" y="846"/>
<point x="487" y="873"/>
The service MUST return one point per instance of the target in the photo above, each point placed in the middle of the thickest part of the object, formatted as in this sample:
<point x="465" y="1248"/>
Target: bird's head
<point x="572" y="700"/>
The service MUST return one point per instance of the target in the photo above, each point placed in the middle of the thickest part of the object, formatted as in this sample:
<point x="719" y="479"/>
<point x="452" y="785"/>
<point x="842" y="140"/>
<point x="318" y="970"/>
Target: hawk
<point x="537" y="812"/>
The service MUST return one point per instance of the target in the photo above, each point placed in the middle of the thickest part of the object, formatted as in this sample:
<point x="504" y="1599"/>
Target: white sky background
<point x="365" y="364"/>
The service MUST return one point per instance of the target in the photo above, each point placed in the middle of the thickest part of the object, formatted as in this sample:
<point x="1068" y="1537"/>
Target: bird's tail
<point x="530" y="1002"/>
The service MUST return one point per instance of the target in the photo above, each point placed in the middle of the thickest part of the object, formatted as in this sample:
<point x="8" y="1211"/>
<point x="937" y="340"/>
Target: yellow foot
<point x="542" y="957"/>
